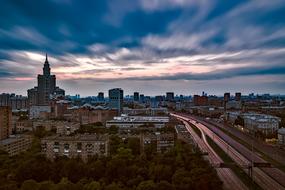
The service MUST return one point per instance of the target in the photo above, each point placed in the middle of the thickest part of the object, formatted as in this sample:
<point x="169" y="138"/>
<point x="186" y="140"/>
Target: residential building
<point x="16" y="102"/>
<point x="61" y="127"/>
<point x="83" y="146"/>
<point x="162" y="142"/>
<point x="5" y="122"/>
<point x="36" y="112"/>
<point x="116" y="97"/>
<point x="200" y="100"/>
<point x="281" y="136"/>
<point x="16" y="144"/>
<point x="88" y="114"/>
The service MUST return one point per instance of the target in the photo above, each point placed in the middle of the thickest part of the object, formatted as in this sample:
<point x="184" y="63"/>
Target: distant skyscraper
<point x="40" y="95"/>
<point x="116" y="97"/>
<point x="159" y="98"/>
<point x="142" y="98"/>
<point x="101" y="96"/>
<point x="136" y="96"/>
<point x="238" y="96"/>
<point x="227" y="97"/>
<point x="169" y="96"/>
<point x="5" y="122"/>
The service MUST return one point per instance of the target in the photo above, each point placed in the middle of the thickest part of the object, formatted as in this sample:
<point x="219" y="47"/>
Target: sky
<point x="149" y="46"/>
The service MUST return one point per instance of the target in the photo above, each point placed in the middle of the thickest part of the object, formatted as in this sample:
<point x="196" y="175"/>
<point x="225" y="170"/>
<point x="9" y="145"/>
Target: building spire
<point x="46" y="58"/>
<point x="46" y="69"/>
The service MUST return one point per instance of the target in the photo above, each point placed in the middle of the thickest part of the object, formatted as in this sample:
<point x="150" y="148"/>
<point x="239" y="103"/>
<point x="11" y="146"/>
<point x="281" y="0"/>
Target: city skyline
<point x="151" y="47"/>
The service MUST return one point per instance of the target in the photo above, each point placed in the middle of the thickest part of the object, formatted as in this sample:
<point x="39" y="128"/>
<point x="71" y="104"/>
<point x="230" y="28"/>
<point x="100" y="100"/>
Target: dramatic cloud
<point x="144" y="45"/>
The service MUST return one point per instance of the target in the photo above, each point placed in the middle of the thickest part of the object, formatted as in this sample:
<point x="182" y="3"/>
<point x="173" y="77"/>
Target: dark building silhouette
<point x="46" y="88"/>
<point x="136" y="96"/>
<point x="227" y="97"/>
<point x="101" y="96"/>
<point x="142" y="98"/>
<point x="238" y="96"/>
<point x="169" y="96"/>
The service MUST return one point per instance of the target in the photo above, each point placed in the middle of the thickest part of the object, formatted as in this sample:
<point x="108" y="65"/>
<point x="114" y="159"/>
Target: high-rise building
<point x="227" y="97"/>
<point x="101" y="96"/>
<point x="238" y="96"/>
<point x="5" y="122"/>
<point x="200" y="100"/>
<point x="41" y="94"/>
<point x="169" y="96"/>
<point x="116" y="97"/>
<point x="142" y="98"/>
<point x="14" y="101"/>
<point x="136" y="96"/>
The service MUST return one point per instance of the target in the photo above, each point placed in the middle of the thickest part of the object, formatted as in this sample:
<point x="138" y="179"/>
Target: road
<point x="225" y="174"/>
<point x="271" y="151"/>
<point x="267" y="178"/>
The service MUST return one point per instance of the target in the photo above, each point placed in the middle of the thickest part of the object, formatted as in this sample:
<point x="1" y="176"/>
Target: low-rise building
<point x="23" y="125"/>
<point x="37" y="112"/>
<point x="256" y="123"/>
<point x="161" y="141"/>
<point x="61" y="127"/>
<point x="145" y="111"/>
<point x="281" y="136"/>
<point x="137" y="121"/>
<point x="16" y="144"/>
<point x="88" y="114"/>
<point x="83" y="146"/>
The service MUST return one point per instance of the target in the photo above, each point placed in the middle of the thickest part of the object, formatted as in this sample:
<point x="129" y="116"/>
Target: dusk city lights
<point x="142" y="95"/>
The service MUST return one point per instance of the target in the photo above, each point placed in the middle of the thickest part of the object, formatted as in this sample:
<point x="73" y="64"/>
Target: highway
<point x="266" y="178"/>
<point x="229" y="179"/>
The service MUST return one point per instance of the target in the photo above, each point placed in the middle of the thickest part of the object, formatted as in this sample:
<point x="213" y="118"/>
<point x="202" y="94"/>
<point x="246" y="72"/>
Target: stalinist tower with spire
<point x="46" y="88"/>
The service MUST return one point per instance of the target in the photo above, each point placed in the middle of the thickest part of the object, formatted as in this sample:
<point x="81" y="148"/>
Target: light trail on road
<point x="264" y="180"/>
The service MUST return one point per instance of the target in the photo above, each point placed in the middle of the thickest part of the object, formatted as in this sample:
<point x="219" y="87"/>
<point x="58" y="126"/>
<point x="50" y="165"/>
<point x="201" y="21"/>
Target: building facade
<point x="137" y="121"/>
<point x="83" y="146"/>
<point x="5" y="122"/>
<point x="161" y="142"/>
<point x="16" y="102"/>
<point x="116" y="97"/>
<point x="15" y="145"/>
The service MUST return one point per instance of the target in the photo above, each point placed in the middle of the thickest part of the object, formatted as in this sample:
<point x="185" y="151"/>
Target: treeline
<point x="126" y="168"/>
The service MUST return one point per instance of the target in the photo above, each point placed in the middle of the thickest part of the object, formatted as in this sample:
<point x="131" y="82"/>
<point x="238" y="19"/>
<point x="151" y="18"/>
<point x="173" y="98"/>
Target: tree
<point x="65" y="184"/>
<point x="134" y="145"/>
<point x="94" y="185"/>
<point x="164" y="185"/>
<point x="46" y="185"/>
<point x="146" y="185"/>
<point x="113" y="129"/>
<point x="40" y="132"/>
<point x="113" y="186"/>
<point x="30" y="184"/>
<point x="239" y="121"/>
